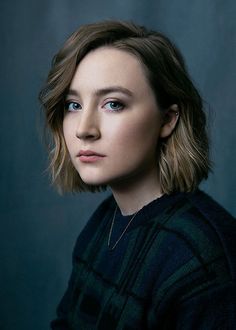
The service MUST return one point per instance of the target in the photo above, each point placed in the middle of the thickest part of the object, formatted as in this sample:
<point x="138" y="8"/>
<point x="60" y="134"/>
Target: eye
<point x="72" y="106"/>
<point x="114" y="106"/>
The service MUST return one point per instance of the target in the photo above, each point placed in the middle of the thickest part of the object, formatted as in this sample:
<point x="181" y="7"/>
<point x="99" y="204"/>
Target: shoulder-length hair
<point x="183" y="156"/>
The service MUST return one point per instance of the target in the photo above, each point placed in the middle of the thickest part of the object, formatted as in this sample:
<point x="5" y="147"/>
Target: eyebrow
<point x="103" y="91"/>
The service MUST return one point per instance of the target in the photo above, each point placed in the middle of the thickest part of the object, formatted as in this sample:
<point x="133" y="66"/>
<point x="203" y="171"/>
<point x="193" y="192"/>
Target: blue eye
<point x="114" y="106"/>
<point x="72" y="106"/>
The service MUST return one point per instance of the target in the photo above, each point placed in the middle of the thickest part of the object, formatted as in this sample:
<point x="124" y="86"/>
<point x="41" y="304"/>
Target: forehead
<point x="107" y="66"/>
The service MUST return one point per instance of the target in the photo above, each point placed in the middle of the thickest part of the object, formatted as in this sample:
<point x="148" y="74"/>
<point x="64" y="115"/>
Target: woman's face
<point x="112" y="122"/>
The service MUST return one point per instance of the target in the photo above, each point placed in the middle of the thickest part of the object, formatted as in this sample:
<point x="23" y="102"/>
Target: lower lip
<point x="90" y="159"/>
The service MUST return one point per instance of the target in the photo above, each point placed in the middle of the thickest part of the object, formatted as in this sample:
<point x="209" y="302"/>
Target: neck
<point x="133" y="194"/>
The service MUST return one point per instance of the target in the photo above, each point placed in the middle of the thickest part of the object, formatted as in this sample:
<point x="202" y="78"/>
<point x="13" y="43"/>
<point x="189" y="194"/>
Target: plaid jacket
<point x="174" y="268"/>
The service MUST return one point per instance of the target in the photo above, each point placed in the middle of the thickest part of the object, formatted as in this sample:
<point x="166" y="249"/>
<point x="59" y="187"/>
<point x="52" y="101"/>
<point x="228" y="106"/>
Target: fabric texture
<point x="174" y="268"/>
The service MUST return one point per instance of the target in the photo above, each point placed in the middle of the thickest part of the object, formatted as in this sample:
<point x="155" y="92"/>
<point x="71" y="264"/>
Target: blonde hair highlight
<point x="183" y="156"/>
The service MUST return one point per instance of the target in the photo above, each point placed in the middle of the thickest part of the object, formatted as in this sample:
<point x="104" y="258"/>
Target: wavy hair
<point x="184" y="155"/>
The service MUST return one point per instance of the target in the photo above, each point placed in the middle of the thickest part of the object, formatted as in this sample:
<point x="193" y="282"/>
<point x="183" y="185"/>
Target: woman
<point x="158" y="253"/>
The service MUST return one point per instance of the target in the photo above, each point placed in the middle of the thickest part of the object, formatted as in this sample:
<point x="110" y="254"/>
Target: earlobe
<point x="170" y="120"/>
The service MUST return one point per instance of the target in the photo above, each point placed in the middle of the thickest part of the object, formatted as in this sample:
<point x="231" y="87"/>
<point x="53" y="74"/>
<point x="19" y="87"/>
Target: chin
<point x="94" y="181"/>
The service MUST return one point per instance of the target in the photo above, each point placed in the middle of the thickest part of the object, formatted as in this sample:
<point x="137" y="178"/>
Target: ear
<point x="170" y="119"/>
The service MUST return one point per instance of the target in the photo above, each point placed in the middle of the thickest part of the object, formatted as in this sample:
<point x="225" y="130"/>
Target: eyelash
<point x="69" y="103"/>
<point x="120" y="105"/>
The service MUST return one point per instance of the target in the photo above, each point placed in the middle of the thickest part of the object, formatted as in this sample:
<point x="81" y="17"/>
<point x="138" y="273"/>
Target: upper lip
<point x="89" y="153"/>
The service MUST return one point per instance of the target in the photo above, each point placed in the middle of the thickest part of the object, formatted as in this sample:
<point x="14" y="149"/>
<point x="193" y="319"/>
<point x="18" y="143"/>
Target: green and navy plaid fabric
<point x="173" y="269"/>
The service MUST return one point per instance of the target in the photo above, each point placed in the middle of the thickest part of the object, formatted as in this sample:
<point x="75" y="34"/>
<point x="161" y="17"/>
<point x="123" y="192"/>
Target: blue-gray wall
<point x="38" y="228"/>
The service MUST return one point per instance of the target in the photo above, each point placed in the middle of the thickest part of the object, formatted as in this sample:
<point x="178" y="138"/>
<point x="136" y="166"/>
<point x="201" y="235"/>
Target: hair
<point x="184" y="155"/>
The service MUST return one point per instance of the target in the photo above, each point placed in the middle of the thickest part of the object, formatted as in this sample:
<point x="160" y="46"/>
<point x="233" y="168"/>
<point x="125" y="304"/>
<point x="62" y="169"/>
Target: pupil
<point x="114" y="104"/>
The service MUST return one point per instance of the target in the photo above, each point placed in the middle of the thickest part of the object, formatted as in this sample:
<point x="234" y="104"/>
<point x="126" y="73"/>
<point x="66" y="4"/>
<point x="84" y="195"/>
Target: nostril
<point x="91" y="134"/>
<point x="88" y="125"/>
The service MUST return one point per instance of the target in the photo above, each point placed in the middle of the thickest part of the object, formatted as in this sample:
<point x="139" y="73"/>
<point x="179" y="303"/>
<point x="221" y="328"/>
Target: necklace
<point x="123" y="232"/>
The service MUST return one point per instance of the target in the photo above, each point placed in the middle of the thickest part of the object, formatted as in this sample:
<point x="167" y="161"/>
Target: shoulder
<point x="214" y="224"/>
<point x="197" y="256"/>
<point x="209" y="208"/>
<point x="197" y="245"/>
<point x="202" y="225"/>
<point x="197" y="216"/>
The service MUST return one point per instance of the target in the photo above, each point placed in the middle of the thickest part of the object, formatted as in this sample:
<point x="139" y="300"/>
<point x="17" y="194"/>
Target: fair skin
<point x="112" y="127"/>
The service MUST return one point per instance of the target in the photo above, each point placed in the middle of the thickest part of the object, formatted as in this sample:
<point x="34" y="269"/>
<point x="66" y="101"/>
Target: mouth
<point x="89" y="156"/>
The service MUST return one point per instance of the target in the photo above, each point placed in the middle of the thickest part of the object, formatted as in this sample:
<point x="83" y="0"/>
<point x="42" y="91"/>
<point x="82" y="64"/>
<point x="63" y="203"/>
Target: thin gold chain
<point x="123" y="232"/>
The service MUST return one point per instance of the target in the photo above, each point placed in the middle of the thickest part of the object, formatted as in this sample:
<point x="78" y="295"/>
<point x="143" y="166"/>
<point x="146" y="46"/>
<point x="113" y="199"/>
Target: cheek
<point x="138" y="132"/>
<point x="64" y="126"/>
<point x="68" y="133"/>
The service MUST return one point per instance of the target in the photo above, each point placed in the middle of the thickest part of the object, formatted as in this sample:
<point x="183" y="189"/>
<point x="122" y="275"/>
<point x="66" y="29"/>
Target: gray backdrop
<point x="38" y="227"/>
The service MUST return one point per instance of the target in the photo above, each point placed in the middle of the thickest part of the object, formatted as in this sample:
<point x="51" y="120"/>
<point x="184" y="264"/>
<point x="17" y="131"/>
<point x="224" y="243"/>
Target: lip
<point x="89" y="156"/>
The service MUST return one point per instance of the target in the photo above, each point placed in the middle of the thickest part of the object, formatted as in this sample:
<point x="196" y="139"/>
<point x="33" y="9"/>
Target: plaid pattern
<point x="173" y="269"/>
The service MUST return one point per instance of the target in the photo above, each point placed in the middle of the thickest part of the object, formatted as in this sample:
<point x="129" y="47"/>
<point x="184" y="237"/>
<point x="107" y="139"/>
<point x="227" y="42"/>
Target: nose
<point x="88" y="126"/>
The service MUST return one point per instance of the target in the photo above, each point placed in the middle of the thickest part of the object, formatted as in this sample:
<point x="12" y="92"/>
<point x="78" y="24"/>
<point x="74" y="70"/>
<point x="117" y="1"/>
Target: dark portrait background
<point x="38" y="227"/>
